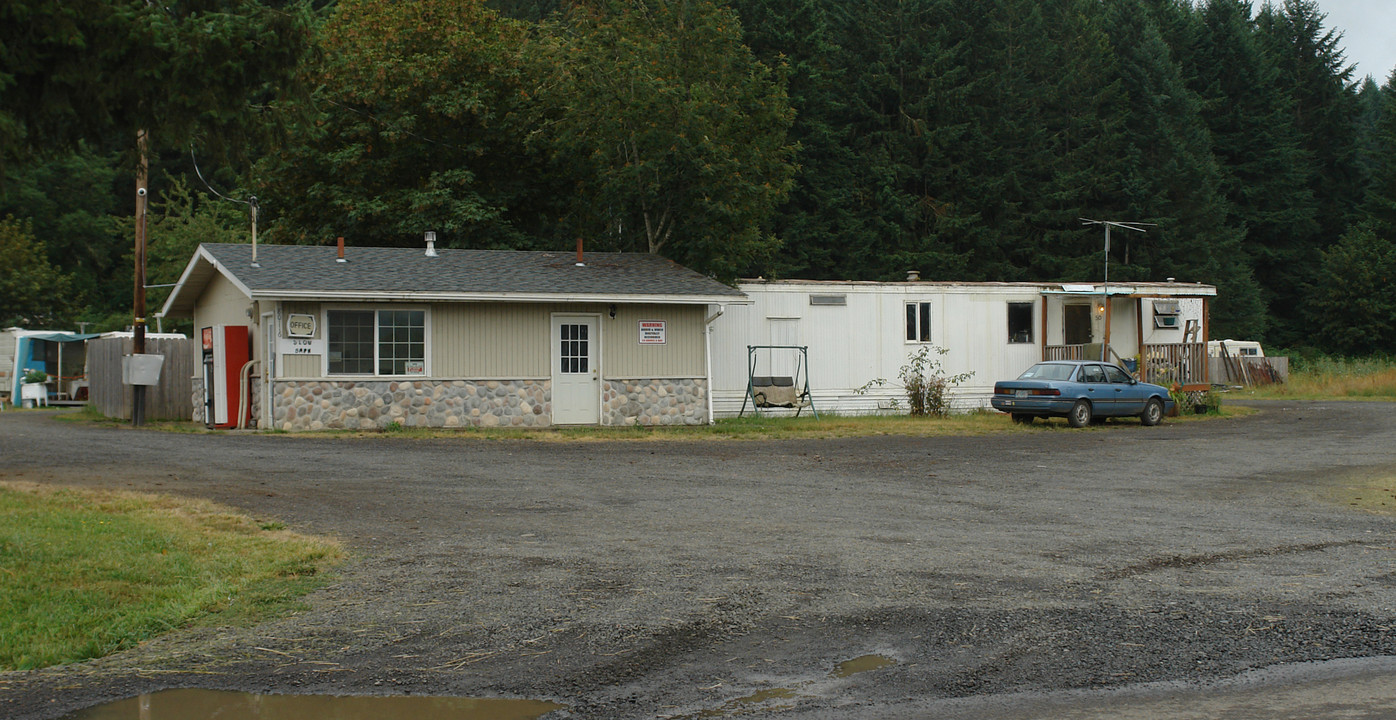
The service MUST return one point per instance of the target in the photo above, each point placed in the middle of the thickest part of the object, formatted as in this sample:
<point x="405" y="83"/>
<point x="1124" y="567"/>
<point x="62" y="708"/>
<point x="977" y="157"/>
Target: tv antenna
<point x="1105" y="286"/>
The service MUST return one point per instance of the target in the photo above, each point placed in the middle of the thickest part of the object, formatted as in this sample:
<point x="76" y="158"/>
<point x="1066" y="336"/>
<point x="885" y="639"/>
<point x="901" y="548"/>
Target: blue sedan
<point x="1079" y="391"/>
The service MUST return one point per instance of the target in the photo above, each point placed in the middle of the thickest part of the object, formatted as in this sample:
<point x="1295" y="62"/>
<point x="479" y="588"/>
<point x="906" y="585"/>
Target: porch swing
<point x="778" y="391"/>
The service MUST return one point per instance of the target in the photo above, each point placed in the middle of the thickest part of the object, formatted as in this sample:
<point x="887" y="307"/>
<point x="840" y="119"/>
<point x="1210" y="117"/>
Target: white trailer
<point x="859" y="332"/>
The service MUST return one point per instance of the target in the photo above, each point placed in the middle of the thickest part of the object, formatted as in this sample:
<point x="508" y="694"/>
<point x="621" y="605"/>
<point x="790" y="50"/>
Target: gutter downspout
<point x="708" y="355"/>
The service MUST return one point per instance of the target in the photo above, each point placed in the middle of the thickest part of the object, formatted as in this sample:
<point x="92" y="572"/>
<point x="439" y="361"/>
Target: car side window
<point x="1093" y="374"/>
<point x="1116" y="375"/>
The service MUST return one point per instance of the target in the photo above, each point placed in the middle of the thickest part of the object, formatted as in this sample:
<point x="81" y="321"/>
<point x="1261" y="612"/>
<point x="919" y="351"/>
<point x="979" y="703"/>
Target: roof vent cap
<point x="913" y="275"/>
<point x="431" y="243"/>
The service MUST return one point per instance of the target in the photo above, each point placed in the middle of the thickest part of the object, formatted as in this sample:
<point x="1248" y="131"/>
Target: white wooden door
<point x="576" y="372"/>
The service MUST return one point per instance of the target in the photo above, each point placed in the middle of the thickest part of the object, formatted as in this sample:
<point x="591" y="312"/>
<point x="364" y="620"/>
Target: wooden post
<point x="138" y="304"/>
<point x="1206" y="322"/>
<point x="1042" y="342"/>
<point x="1139" y="326"/>
<point x="1105" y="349"/>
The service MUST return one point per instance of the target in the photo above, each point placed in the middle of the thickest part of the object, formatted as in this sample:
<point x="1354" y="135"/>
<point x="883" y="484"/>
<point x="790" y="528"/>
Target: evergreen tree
<point x="33" y="292"/>
<point x="1265" y="174"/>
<point x="70" y="203"/>
<point x="1380" y="202"/>
<point x="1172" y="179"/>
<point x="1354" y="296"/>
<point x="1317" y="78"/>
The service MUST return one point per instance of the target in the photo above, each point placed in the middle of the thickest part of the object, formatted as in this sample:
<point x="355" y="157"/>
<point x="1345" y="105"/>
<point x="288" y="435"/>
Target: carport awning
<point x="61" y="336"/>
<point x="1090" y="290"/>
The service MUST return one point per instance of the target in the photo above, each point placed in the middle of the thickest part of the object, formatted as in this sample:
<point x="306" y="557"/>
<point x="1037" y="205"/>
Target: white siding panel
<point x="864" y="340"/>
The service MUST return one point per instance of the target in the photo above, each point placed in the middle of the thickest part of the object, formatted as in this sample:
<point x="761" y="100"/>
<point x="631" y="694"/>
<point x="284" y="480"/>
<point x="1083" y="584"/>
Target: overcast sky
<point x="1369" y="34"/>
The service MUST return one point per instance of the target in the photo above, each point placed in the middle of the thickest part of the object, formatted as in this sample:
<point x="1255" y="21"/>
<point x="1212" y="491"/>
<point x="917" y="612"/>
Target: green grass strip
<point x="85" y="573"/>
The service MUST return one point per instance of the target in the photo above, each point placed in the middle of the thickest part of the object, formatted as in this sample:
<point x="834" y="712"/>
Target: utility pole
<point x="1105" y="287"/>
<point x="138" y="305"/>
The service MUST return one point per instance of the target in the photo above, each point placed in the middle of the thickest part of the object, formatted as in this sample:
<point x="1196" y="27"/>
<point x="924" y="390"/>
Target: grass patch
<point x="768" y="427"/>
<point x="85" y="573"/>
<point x="1325" y="378"/>
<point x="1370" y="493"/>
<point x="90" y="414"/>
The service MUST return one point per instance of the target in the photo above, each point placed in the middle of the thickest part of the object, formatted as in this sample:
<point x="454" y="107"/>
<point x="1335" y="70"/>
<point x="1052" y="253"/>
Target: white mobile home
<point x="858" y="332"/>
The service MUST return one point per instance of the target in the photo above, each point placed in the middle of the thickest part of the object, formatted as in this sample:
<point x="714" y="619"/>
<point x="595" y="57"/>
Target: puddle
<point x="763" y="698"/>
<point x="742" y="705"/>
<point x="866" y="663"/>
<point x="210" y="704"/>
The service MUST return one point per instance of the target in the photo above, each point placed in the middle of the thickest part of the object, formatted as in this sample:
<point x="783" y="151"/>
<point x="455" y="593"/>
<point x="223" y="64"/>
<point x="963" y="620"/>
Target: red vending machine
<point x="226" y="349"/>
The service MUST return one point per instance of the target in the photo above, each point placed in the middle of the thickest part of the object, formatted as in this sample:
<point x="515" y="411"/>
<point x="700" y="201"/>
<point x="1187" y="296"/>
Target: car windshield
<point x="1048" y="371"/>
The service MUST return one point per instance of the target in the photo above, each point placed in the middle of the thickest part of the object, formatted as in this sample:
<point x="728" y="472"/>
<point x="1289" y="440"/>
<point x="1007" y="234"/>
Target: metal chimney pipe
<point x="431" y="243"/>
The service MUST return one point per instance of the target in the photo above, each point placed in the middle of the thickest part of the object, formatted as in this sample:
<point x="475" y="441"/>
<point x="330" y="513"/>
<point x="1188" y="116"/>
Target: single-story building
<point x="858" y="332"/>
<point x="364" y="337"/>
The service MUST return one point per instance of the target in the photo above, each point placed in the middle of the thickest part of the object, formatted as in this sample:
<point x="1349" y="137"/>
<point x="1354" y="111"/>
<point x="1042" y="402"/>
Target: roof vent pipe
<point x="431" y="243"/>
<point x="341" y="251"/>
<point x="913" y="275"/>
<point x="579" y="254"/>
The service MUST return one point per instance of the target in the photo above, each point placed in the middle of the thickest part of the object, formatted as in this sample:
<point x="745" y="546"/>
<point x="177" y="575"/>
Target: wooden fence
<point x="1249" y="370"/>
<point x="1174" y="364"/>
<point x="170" y="400"/>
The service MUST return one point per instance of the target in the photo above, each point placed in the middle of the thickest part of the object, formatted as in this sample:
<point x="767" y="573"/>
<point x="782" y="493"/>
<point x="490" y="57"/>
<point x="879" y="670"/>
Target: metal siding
<point x="681" y="355"/>
<point x="1188" y="309"/>
<point x="490" y="340"/>
<point x="865" y="340"/>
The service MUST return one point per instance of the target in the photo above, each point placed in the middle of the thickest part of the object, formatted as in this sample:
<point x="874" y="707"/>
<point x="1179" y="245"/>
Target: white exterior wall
<point x="1188" y="309"/>
<point x="865" y="339"/>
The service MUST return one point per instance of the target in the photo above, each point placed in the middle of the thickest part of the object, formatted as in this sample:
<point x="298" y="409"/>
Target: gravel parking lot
<point x="643" y="579"/>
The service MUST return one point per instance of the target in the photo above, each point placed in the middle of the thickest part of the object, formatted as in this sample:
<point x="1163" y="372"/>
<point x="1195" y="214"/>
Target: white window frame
<point x="377" y="343"/>
<point x="923" y="334"/>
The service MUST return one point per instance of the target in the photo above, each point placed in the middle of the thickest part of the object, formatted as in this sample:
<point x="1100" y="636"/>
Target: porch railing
<point x="1079" y="352"/>
<point x="1165" y="364"/>
<point x="1180" y="363"/>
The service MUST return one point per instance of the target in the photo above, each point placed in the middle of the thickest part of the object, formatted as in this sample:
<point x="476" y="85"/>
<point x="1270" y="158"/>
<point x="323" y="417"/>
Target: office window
<point x="392" y="342"/>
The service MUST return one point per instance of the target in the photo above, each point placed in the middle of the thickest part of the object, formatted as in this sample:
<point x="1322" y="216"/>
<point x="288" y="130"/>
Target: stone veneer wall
<point x="370" y="404"/>
<point x="256" y="408"/>
<point x="196" y="398"/>
<point x="654" y="402"/>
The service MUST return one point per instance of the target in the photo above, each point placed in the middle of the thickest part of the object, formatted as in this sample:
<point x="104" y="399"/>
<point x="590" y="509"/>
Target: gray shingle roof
<point x="373" y="271"/>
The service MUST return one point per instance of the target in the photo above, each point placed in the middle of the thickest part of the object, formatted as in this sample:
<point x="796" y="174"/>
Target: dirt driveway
<point x="650" y="579"/>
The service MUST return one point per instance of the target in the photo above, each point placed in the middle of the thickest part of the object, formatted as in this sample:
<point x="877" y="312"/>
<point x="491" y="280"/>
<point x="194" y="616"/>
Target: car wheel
<point x="1153" y="412"/>
<point x="1022" y="419"/>
<point x="1080" y="415"/>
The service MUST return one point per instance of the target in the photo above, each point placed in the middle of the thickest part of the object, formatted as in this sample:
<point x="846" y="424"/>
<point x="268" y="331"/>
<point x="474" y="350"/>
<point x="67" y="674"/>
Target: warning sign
<point x="652" y="332"/>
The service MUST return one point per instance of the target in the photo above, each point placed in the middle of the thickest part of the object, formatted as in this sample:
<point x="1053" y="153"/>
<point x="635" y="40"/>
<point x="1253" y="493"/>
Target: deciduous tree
<point x="678" y="134"/>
